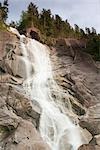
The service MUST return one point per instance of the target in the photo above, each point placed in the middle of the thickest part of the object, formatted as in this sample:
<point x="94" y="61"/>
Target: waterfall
<point x="57" y="126"/>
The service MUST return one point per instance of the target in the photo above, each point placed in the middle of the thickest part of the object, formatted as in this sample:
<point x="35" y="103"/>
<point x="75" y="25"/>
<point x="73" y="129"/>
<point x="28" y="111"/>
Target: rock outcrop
<point x="12" y="62"/>
<point x="19" y="117"/>
<point x="76" y="72"/>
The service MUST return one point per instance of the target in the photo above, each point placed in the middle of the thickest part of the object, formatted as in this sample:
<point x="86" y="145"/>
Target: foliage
<point x="93" y="46"/>
<point x="52" y="27"/>
<point x="4" y="11"/>
<point x="3" y="26"/>
<point x="49" y="25"/>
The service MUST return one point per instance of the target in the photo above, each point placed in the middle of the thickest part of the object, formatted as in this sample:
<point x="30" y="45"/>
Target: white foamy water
<point x="56" y="127"/>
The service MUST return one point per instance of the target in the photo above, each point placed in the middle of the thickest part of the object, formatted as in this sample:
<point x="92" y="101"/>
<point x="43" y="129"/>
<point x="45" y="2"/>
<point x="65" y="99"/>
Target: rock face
<point x="25" y="137"/>
<point x="19" y="119"/>
<point x="87" y="147"/>
<point x="97" y="137"/>
<point x="75" y="71"/>
<point x="11" y="58"/>
<point x="8" y="41"/>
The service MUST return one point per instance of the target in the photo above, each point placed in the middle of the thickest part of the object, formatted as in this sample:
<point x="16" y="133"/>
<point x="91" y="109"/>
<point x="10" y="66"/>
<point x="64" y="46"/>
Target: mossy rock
<point x="3" y="132"/>
<point x="3" y="26"/>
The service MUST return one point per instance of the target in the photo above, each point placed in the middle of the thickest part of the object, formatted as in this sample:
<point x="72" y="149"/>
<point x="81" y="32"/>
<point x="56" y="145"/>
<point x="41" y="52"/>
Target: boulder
<point x="87" y="147"/>
<point x="97" y="137"/>
<point x="14" y="101"/>
<point x="86" y="135"/>
<point x="24" y="137"/>
<point x="91" y="120"/>
<point x="18" y="66"/>
<point x="19" y="118"/>
<point x="8" y="41"/>
<point x="33" y="33"/>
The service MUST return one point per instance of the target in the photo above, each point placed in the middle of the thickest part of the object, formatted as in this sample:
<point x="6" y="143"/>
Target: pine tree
<point x="46" y="21"/>
<point x="88" y="32"/>
<point x="93" y="31"/>
<point x="82" y="33"/>
<point x="4" y="11"/>
<point x="32" y="14"/>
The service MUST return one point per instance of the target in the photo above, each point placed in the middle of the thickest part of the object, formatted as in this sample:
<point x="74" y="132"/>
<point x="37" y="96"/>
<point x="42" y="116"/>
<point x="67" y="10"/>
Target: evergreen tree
<point x="88" y="32"/>
<point x="58" y="22"/>
<point x="93" y="47"/>
<point x="13" y="24"/>
<point x="52" y="27"/>
<point x="93" y="31"/>
<point x="4" y="11"/>
<point x="46" y="22"/>
<point x="82" y="33"/>
<point x="77" y="29"/>
<point x="24" y="23"/>
<point x="32" y="14"/>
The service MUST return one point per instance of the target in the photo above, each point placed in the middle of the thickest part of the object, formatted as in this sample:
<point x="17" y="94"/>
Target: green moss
<point x="3" y="26"/>
<point x="2" y="129"/>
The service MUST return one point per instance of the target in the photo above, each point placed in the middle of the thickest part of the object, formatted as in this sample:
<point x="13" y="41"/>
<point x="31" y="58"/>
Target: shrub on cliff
<point x="93" y="47"/>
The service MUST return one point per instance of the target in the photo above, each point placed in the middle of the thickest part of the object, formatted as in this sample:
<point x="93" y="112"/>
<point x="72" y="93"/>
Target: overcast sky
<point x="85" y="13"/>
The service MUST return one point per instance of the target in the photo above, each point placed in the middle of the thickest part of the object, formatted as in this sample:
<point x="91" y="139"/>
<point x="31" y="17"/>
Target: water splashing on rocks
<point x="57" y="126"/>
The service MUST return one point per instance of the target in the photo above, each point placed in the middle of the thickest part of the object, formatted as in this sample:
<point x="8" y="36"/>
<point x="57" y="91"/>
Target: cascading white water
<point x="56" y="126"/>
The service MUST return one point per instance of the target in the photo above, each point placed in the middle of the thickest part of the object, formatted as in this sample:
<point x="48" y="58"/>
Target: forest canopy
<point x="52" y="26"/>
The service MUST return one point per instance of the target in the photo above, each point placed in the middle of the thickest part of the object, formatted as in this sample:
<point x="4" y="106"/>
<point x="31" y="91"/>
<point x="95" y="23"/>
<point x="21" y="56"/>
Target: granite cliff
<point x="73" y="69"/>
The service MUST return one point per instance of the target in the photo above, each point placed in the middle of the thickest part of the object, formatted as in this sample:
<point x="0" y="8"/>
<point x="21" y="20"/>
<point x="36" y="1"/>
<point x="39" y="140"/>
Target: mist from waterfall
<point x="58" y="126"/>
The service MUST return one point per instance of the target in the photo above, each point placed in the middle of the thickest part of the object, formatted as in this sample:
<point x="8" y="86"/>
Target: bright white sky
<point x="85" y="13"/>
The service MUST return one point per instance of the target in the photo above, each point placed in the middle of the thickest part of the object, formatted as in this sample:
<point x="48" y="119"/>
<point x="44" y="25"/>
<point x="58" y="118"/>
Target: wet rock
<point x="91" y="126"/>
<point x="87" y="136"/>
<point x="12" y="60"/>
<point x="74" y="70"/>
<point x="93" y="141"/>
<point x="19" y="119"/>
<point x="97" y="137"/>
<point x="87" y="147"/>
<point x="91" y="121"/>
<point x="18" y="66"/>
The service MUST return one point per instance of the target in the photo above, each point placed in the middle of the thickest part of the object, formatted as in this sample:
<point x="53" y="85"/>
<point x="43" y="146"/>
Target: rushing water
<point x="56" y="124"/>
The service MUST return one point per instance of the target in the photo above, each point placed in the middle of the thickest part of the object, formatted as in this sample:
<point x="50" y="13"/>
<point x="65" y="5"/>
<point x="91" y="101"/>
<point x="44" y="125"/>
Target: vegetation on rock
<point x="3" y="11"/>
<point x="3" y="14"/>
